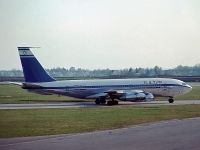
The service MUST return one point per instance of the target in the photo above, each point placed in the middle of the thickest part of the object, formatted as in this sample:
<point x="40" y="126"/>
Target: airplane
<point x="103" y="91"/>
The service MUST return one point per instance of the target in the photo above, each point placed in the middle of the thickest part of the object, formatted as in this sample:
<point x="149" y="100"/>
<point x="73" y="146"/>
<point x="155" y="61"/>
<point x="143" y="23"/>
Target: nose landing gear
<point x="171" y="100"/>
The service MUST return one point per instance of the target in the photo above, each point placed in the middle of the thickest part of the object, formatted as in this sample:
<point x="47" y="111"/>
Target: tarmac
<point x="165" y="135"/>
<point x="92" y="104"/>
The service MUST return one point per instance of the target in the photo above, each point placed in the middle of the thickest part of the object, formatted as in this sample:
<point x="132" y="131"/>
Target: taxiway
<point x="91" y="104"/>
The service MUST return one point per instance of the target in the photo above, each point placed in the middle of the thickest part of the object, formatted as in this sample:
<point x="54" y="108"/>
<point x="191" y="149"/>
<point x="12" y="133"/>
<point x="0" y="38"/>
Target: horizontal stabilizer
<point x="8" y="82"/>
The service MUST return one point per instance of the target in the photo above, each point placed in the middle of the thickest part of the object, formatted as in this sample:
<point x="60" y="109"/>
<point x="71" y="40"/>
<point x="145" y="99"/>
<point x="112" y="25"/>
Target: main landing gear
<point x="171" y="100"/>
<point x="112" y="102"/>
<point x="102" y="100"/>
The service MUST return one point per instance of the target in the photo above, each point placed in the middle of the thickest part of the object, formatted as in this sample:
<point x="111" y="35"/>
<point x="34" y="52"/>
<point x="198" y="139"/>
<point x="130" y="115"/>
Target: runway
<point x="165" y="135"/>
<point x="91" y="104"/>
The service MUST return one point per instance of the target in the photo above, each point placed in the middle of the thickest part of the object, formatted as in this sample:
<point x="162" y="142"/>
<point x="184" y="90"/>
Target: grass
<point x="193" y="95"/>
<point x="18" y="123"/>
<point x="15" y="94"/>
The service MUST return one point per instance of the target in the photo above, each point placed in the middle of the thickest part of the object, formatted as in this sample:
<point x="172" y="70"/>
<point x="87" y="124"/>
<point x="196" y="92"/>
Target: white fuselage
<point x="84" y="88"/>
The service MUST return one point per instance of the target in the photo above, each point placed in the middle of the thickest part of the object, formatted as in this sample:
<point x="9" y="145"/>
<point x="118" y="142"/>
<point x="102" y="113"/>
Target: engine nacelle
<point x="134" y="97"/>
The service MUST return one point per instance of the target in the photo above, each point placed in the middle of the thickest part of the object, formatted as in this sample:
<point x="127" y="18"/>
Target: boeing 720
<point x="104" y="91"/>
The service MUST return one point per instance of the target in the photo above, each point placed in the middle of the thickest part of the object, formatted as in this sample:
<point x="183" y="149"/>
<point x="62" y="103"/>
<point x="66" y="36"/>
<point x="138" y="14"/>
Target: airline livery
<point x="104" y="91"/>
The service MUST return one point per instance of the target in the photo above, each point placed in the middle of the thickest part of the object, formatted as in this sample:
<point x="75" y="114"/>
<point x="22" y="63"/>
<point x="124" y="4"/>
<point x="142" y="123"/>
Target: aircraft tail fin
<point x="33" y="70"/>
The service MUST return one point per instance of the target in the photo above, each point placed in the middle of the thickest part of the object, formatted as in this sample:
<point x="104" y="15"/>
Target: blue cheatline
<point x="110" y="86"/>
<point x="33" y="71"/>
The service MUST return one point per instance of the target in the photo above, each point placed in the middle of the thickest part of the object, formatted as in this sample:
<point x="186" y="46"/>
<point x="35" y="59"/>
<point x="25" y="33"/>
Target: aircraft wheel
<point x="171" y="100"/>
<point x="97" y="101"/>
<point x="103" y="101"/>
<point x="109" y="102"/>
<point x="113" y="102"/>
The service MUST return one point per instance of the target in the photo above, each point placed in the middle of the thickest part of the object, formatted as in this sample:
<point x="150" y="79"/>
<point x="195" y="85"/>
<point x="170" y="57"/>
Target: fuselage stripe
<point x="108" y="86"/>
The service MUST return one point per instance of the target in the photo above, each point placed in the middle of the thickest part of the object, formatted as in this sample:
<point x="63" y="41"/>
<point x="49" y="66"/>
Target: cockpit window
<point x="184" y="83"/>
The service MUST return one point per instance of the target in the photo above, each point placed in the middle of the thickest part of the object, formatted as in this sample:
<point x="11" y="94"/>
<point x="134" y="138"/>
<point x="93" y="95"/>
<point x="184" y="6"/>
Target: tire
<point x="171" y="100"/>
<point x="102" y="100"/>
<point x="115" y="102"/>
<point x="97" y="101"/>
<point x="109" y="103"/>
<point x="112" y="102"/>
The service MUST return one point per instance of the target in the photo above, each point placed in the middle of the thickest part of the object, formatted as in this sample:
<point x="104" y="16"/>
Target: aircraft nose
<point x="189" y="87"/>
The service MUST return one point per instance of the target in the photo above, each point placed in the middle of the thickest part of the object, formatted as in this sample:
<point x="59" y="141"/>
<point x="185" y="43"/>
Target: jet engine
<point x="134" y="97"/>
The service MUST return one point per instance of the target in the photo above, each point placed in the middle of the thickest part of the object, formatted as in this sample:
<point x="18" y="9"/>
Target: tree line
<point x="108" y="73"/>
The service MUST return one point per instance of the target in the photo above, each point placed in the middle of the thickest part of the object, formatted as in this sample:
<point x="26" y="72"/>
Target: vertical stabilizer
<point x="33" y="71"/>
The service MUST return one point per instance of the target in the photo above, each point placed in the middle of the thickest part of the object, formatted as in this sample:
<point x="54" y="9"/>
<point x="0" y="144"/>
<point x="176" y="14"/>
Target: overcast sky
<point x="96" y="34"/>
